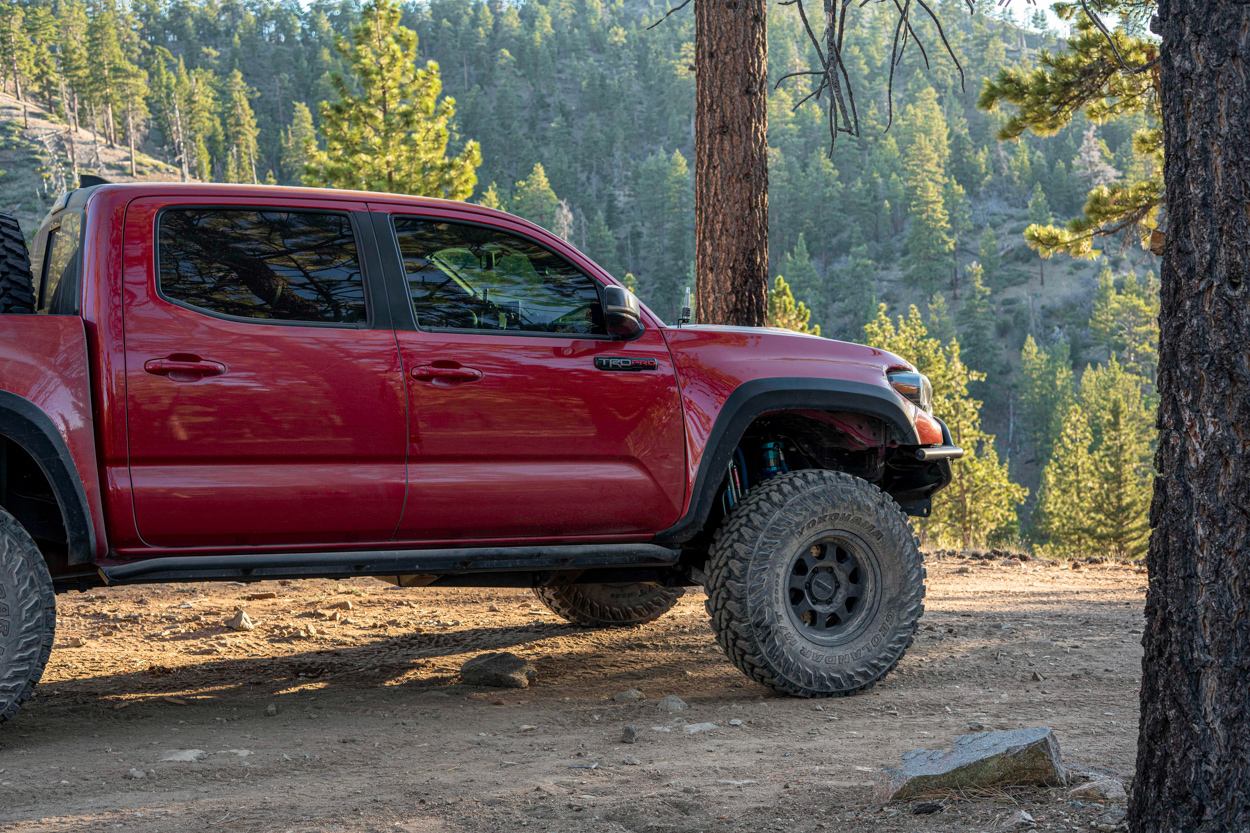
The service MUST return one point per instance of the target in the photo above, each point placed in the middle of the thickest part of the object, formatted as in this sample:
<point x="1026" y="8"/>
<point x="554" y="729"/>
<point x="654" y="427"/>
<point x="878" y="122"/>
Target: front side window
<point x="269" y="264"/>
<point x="463" y="277"/>
<point x="57" y="275"/>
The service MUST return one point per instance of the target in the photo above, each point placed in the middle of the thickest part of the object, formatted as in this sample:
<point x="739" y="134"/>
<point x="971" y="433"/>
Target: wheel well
<point x="26" y="493"/>
<point x="858" y="444"/>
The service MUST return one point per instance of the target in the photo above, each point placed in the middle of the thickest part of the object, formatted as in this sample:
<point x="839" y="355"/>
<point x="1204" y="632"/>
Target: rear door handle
<point x="184" y="370"/>
<point x="431" y="373"/>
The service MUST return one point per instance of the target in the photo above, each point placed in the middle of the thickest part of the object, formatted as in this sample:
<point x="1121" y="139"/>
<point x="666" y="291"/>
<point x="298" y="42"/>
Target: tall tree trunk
<point x="1193" y="759"/>
<point x="731" y="161"/>
<point x="130" y="134"/>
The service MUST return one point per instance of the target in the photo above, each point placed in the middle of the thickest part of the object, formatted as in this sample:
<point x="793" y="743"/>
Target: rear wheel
<point x="815" y="584"/>
<point x="602" y="605"/>
<point x="16" y="294"/>
<point x="27" y="616"/>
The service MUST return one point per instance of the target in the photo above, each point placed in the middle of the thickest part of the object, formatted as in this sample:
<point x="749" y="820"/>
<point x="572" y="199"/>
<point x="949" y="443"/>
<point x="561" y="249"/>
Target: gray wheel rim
<point x="832" y="588"/>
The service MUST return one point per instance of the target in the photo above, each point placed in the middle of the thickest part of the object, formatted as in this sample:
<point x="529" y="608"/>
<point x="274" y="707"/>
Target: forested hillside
<point x="584" y="118"/>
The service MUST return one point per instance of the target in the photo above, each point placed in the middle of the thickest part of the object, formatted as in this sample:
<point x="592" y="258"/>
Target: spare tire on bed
<point x="16" y="287"/>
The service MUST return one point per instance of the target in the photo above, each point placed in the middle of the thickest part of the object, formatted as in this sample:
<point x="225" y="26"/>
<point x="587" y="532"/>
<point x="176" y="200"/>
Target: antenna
<point x="684" y="317"/>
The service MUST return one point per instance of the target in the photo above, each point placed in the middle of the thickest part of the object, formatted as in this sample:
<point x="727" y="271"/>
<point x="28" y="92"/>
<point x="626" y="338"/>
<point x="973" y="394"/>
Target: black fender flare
<point x="751" y="400"/>
<point x="22" y="422"/>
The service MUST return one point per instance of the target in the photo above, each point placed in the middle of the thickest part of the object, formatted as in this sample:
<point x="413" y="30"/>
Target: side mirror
<point x="621" y="313"/>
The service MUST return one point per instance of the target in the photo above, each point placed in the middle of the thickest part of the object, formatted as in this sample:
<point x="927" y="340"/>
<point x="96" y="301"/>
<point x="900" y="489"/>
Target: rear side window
<point x="463" y="277"/>
<point x="57" y="275"/>
<point x="273" y="265"/>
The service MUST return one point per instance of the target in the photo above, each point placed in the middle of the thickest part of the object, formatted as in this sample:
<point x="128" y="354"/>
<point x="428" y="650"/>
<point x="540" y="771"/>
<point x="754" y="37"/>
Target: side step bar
<point x="463" y="560"/>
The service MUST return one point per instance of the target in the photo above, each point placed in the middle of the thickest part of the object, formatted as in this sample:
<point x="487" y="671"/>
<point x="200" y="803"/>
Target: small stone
<point x="1037" y="677"/>
<point x="240" y="621"/>
<point x="258" y="597"/>
<point x="672" y="704"/>
<point x="272" y="710"/>
<point x="974" y="726"/>
<point x="1009" y="562"/>
<point x="629" y="695"/>
<point x="697" y="728"/>
<point x="1104" y="789"/>
<point x="1019" y="820"/>
<point x="346" y="604"/>
<point x="983" y="760"/>
<point x="629" y="734"/>
<point x="963" y="571"/>
<point x="631" y="762"/>
<point x="927" y="808"/>
<point x="735" y="722"/>
<point x="501" y="670"/>
<point x="184" y="756"/>
<point x="136" y="774"/>
<point x="77" y="642"/>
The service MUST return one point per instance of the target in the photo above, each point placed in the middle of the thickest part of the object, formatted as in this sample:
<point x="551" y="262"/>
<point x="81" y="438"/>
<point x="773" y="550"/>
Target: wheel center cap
<point x="822" y="586"/>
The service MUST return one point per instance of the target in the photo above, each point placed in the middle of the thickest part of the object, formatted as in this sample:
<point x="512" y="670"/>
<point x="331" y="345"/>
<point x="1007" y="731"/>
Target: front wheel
<point x="604" y="605"/>
<point x="815" y="584"/>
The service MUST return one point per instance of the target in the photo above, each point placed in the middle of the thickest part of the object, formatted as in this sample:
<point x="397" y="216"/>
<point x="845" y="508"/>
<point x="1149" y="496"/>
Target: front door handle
<point x="434" y="373"/>
<point x="184" y="368"/>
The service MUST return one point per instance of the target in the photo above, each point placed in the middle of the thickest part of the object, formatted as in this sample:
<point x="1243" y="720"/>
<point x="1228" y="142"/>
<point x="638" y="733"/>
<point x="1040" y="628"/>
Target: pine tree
<point x="804" y="281"/>
<point x="929" y="242"/>
<point x="491" y="198"/>
<point x="1120" y="503"/>
<point x="104" y="58"/>
<point x="784" y="311"/>
<point x="980" y="503"/>
<point x="534" y="200"/>
<point x="388" y="130"/>
<point x="989" y="257"/>
<point x="239" y="128"/>
<point x="977" y="321"/>
<point x="1090" y="75"/>
<point x="601" y="244"/>
<point x="1126" y="323"/>
<point x="1039" y="216"/>
<point x="853" y="297"/>
<point x="1068" y="484"/>
<point x="40" y="31"/>
<point x="298" y="141"/>
<point x="1046" y="394"/>
<point x="15" y="50"/>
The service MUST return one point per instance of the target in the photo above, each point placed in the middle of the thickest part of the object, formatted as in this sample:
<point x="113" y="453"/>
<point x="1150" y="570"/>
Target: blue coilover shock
<point x="774" y="461"/>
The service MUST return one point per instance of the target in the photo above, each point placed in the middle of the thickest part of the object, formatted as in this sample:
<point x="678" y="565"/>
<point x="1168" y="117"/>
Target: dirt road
<point x="323" y="718"/>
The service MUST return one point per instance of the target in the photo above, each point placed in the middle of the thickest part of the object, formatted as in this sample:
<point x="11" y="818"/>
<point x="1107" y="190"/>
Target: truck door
<point x="264" y="395"/>
<point x="521" y="425"/>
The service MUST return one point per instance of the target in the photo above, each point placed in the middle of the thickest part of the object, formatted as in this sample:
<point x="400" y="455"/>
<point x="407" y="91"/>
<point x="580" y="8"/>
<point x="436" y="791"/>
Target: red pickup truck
<point x="206" y="382"/>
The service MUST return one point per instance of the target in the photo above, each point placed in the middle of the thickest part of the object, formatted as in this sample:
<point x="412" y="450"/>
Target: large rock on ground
<point x="986" y="759"/>
<point x="503" y="670"/>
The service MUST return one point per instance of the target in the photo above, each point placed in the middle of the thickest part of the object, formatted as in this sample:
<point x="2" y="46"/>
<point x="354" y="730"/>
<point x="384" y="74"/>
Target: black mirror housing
<point x="621" y="313"/>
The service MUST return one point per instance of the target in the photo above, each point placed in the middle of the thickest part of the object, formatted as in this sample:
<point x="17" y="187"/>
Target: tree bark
<point x="731" y="162"/>
<point x="1193" y="760"/>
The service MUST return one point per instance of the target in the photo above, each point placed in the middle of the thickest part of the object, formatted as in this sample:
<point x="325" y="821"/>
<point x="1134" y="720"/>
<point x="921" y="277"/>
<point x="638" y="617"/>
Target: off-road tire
<point x="16" y="287"/>
<point x="27" y="616"/>
<point x="749" y="583"/>
<point x="607" y="605"/>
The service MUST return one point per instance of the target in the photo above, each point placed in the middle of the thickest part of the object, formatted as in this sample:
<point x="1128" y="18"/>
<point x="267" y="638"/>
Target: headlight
<point x="914" y="386"/>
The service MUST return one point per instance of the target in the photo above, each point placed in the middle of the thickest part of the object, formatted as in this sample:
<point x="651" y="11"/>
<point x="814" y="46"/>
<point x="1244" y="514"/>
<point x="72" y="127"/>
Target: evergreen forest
<point x="959" y="237"/>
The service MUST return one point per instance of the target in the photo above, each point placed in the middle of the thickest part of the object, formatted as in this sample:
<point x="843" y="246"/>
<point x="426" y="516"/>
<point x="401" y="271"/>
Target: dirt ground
<point x="328" y="719"/>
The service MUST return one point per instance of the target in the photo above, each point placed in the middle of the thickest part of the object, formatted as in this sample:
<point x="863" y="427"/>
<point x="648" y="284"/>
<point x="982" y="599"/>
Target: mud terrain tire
<point x="16" y="293"/>
<point x="605" y="605"/>
<point x="27" y="616"/>
<point x="815" y="584"/>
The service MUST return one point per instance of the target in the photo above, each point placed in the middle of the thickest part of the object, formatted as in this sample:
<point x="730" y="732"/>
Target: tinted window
<point x="57" y="290"/>
<point x="472" y="278"/>
<point x="274" y="265"/>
